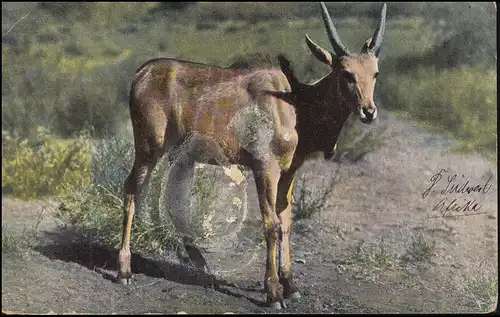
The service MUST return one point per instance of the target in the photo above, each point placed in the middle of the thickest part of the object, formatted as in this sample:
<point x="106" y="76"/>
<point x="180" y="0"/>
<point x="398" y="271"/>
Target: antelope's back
<point x="228" y="109"/>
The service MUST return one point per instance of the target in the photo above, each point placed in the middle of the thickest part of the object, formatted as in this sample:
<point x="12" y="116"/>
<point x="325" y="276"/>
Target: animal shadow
<point x="66" y="245"/>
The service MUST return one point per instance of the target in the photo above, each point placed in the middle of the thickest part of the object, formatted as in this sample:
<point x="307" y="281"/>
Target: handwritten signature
<point x="453" y="186"/>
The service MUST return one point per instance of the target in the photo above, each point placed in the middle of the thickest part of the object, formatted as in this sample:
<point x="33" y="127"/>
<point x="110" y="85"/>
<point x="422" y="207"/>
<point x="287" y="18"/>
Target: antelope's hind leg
<point x="141" y="171"/>
<point x="150" y="145"/>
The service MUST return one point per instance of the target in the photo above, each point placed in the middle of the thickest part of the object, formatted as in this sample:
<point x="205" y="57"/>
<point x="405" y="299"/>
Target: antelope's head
<point x="353" y="74"/>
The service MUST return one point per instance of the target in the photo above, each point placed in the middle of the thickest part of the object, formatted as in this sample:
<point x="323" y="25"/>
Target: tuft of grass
<point x="308" y="200"/>
<point x="420" y="250"/>
<point x="376" y="257"/>
<point x="23" y="243"/>
<point x="368" y="262"/>
<point x="383" y="257"/>
<point x="368" y="259"/>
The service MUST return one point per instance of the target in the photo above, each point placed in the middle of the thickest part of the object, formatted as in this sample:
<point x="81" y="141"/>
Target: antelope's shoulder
<point x="262" y="81"/>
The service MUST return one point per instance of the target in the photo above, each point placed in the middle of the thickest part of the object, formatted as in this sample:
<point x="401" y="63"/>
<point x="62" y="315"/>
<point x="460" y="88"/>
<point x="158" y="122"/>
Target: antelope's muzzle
<point x="366" y="115"/>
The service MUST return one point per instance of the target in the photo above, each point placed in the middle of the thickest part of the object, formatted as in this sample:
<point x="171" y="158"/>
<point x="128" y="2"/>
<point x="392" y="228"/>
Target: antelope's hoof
<point x="211" y="283"/>
<point x="277" y="305"/>
<point x="124" y="280"/>
<point x="275" y="297"/>
<point x="294" y="296"/>
<point x="182" y="254"/>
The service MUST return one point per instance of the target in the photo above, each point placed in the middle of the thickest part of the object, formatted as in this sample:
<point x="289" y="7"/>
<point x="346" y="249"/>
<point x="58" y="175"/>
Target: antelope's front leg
<point x="284" y="209"/>
<point x="266" y="179"/>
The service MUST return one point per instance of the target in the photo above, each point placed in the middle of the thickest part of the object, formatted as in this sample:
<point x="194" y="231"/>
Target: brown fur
<point x="262" y="118"/>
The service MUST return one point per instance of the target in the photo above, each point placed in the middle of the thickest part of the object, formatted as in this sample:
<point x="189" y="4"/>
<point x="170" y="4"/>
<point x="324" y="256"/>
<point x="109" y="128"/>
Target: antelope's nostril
<point x="368" y="113"/>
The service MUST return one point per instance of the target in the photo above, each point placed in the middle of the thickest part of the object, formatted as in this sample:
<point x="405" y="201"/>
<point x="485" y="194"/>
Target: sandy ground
<point x="365" y="254"/>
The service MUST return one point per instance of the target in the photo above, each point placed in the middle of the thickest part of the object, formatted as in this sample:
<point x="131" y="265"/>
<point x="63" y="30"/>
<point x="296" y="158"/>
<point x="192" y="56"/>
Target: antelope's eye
<point x="349" y="76"/>
<point x="376" y="74"/>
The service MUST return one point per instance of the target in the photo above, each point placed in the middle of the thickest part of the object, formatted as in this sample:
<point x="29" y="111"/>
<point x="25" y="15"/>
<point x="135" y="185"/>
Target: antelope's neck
<point x="321" y="114"/>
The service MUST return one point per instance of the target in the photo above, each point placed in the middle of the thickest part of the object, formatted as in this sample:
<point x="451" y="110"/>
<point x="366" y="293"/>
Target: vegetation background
<point x="67" y="67"/>
<point x="67" y="142"/>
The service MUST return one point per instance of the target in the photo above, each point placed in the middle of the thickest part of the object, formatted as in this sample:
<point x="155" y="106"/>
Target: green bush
<point x="45" y="166"/>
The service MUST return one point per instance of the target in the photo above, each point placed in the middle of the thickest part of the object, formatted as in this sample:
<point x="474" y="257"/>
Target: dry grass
<point x="24" y="242"/>
<point x="420" y="249"/>
<point x="368" y="259"/>
<point x="479" y="286"/>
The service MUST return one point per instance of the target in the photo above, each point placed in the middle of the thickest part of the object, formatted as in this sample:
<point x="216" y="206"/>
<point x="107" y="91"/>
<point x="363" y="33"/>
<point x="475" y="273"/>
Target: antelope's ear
<point x="320" y="53"/>
<point x="366" y="47"/>
<point x="286" y="68"/>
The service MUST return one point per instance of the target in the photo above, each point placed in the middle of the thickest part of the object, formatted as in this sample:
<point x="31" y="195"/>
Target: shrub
<point x="45" y="166"/>
<point x="97" y="210"/>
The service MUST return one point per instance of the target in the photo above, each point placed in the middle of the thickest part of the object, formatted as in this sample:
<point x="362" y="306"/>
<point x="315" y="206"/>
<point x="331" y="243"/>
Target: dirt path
<point x="381" y="248"/>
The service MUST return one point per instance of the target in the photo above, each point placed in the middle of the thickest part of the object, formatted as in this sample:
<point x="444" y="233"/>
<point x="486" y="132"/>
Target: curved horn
<point x="378" y="36"/>
<point x="319" y="52"/>
<point x="337" y="45"/>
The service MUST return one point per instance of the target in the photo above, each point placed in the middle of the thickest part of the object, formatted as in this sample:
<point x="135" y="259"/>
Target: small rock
<point x="182" y="313"/>
<point x="300" y="261"/>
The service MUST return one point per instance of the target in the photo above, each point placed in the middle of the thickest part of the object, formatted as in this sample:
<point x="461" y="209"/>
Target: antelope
<point x="260" y="118"/>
